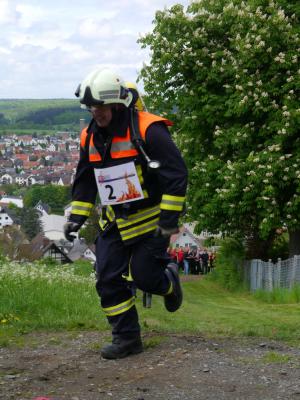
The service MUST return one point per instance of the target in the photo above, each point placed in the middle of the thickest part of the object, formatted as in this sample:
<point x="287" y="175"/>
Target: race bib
<point x="119" y="184"/>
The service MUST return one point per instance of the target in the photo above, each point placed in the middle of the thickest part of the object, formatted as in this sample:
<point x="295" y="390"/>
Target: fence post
<point x="278" y="274"/>
<point x="259" y="275"/>
<point x="297" y="277"/>
<point x="293" y="272"/>
<point x="253" y="275"/>
<point x="270" y="275"/>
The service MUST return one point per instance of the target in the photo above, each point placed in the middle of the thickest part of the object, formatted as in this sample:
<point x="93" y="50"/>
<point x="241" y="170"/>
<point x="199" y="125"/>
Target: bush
<point x="280" y="248"/>
<point x="229" y="264"/>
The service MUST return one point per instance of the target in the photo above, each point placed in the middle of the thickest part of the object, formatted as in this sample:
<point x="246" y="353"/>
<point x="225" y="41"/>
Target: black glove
<point x="165" y="232"/>
<point x="70" y="227"/>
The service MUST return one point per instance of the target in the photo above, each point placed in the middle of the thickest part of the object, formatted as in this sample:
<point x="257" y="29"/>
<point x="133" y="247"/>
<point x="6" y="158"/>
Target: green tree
<point x="90" y="230"/>
<point x="9" y="189"/>
<point x="30" y="222"/>
<point x="11" y="238"/>
<point x="227" y="73"/>
<point x="57" y="197"/>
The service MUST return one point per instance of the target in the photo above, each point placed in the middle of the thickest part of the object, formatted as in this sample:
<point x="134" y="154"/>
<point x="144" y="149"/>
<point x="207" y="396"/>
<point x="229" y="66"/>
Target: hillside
<point x="49" y="114"/>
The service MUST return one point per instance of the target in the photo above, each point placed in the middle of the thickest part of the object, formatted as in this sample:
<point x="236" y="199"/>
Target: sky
<point x="48" y="46"/>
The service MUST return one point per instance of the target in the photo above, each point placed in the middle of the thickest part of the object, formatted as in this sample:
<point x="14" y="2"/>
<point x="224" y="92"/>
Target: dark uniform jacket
<point x="164" y="190"/>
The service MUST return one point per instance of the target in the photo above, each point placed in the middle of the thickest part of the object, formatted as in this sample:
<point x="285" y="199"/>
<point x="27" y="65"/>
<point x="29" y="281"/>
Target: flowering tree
<point x="227" y="73"/>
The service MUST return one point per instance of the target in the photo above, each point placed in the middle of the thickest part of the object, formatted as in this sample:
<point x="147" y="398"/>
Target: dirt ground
<point x="67" y="366"/>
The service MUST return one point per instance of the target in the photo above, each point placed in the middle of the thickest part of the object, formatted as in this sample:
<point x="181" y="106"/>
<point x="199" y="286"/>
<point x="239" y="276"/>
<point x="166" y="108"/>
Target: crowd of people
<point x="193" y="260"/>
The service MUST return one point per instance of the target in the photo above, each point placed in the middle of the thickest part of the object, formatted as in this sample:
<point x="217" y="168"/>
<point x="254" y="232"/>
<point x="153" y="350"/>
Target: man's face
<point x="102" y="115"/>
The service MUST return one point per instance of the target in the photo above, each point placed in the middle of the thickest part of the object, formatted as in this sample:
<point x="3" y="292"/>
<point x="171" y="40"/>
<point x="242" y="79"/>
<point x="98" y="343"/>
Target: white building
<point x="21" y="180"/>
<point x="5" y="219"/>
<point x="51" y="148"/>
<point x="17" y="201"/>
<point x="187" y="237"/>
<point x="53" y="226"/>
<point x="6" y="179"/>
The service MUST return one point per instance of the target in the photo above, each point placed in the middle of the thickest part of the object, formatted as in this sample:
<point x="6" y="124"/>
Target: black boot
<point x="173" y="300"/>
<point x="123" y="346"/>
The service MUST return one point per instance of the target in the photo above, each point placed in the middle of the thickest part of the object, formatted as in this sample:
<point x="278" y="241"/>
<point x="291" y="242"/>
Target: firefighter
<point x="139" y="204"/>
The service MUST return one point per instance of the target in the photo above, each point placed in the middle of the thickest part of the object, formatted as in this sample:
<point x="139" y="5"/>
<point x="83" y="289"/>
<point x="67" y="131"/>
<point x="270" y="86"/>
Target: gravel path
<point x="67" y="366"/>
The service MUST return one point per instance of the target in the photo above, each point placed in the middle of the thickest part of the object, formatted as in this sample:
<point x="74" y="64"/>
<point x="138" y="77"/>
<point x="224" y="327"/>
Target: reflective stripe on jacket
<point x="161" y="200"/>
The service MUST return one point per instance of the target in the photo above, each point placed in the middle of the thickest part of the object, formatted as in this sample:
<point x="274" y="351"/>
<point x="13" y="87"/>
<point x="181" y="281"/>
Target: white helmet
<point x="103" y="86"/>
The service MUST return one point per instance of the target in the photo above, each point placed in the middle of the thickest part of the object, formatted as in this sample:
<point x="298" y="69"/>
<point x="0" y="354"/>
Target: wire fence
<point x="268" y="276"/>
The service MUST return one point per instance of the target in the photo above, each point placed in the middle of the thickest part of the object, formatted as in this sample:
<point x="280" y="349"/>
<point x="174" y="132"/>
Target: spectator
<point x="193" y="261"/>
<point x="172" y="254"/>
<point x="186" y="261"/>
<point x="180" y="258"/>
<point x="211" y="260"/>
<point x="204" y="259"/>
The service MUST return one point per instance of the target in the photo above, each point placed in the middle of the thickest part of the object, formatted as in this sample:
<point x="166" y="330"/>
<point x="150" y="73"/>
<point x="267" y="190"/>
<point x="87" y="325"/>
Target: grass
<point x="41" y="298"/>
<point x="279" y="295"/>
<point x="273" y="357"/>
<point x="208" y="309"/>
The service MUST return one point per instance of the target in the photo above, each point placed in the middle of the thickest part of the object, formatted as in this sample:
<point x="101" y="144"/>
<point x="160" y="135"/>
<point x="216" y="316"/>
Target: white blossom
<point x="281" y="14"/>
<point x="261" y="44"/>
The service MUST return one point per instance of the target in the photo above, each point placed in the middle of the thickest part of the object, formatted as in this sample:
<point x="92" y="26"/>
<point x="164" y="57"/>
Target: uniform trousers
<point x="145" y="260"/>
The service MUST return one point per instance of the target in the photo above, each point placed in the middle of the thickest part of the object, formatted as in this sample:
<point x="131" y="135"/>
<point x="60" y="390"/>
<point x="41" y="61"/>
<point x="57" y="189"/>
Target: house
<point x="42" y="247"/>
<point x="21" y="180"/>
<point x="25" y="140"/>
<point x="8" y="217"/>
<point x="30" y="164"/>
<point x="184" y="238"/>
<point x="6" y="200"/>
<point x="81" y="250"/>
<point x="21" y="157"/>
<point x="64" y="180"/>
<point x="6" y="179"/>
<point x="5" y="218"/>
<point x="43" y="208"/>
<point x="53" y="226"/>
<point x="187" y="237"/>
<point x="51" y="148"/>
<point x="8" y="164"/>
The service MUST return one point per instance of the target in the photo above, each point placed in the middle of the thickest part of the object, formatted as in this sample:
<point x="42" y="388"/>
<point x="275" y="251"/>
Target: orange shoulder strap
<point x="146" y="119"/>
<point x="83" y="137"/>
